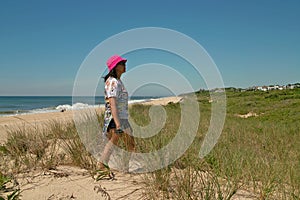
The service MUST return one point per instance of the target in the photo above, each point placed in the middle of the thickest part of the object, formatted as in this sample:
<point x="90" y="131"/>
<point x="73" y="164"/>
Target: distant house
<point x="275" y="87"/>
<point x="264" y="88"/>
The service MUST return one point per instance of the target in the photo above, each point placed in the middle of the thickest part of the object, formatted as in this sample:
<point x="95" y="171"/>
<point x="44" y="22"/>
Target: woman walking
<point x="116" y="123"/>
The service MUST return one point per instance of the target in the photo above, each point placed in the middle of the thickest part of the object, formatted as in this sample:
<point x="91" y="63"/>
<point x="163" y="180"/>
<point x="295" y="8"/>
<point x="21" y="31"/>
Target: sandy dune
<point x="67" y="182"/>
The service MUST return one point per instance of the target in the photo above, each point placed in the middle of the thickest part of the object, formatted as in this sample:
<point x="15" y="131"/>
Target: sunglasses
<point x="121" y="63"/>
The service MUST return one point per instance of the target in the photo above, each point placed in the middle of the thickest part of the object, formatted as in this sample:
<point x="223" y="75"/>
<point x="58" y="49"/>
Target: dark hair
<point x="112" y="73"/>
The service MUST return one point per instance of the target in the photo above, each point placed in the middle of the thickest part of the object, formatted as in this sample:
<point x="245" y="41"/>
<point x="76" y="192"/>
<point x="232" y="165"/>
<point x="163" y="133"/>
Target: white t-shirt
<point x="115" y="88"/>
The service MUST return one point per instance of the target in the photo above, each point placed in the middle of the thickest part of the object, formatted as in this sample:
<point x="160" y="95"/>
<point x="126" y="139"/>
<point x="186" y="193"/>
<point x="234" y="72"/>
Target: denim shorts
<point x="124" y="124"/>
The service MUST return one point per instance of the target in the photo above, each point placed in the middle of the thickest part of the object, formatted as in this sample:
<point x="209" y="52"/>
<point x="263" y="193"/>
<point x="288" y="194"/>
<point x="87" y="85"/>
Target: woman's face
<point x="121" y="68"/>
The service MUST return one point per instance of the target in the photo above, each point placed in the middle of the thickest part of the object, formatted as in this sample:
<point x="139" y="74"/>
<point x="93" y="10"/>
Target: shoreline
<point x="69" y="106"/>
<point x="36" y="119"/>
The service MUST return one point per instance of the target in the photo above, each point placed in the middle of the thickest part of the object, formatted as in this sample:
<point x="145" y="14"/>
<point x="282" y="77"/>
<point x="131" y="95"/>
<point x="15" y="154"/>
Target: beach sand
<point x="69" y="182"/>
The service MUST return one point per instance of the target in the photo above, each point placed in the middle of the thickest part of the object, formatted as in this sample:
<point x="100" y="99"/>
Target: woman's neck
<point x="119" y="76"/>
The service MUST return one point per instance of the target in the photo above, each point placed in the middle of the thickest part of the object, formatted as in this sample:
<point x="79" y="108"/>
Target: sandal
<point x="103" y="173"/>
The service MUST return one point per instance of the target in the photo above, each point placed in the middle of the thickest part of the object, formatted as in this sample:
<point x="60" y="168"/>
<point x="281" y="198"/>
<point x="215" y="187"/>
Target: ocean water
<point x="18" y="105"/>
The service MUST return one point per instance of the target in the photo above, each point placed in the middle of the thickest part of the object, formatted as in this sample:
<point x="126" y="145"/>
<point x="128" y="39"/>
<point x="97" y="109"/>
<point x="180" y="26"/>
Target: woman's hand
<point x="119" y="130"/>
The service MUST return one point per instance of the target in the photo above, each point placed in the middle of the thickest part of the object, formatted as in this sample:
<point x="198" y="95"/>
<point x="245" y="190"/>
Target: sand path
<point x="67" y="182"/>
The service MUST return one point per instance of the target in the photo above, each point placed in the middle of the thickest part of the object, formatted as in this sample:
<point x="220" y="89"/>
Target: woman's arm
<point x="114" y="111"/>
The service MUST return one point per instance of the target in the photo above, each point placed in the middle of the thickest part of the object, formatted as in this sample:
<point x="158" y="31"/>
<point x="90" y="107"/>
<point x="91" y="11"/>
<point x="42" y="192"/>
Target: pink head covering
<point x="113" y="61"/>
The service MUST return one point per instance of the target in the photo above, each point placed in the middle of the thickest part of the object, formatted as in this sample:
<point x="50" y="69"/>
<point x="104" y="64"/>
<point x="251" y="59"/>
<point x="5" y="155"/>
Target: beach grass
<point x="257" y="153"/>
<point x="11" y="192"/>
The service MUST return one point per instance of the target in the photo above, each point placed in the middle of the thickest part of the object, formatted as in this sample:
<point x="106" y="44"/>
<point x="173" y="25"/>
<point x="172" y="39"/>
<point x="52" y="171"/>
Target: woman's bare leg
<point x="130" y="147"/>
<point x="113" y="140"/>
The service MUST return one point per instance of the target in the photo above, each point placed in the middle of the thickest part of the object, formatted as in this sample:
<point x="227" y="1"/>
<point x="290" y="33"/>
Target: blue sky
<point x="43" y="43"/>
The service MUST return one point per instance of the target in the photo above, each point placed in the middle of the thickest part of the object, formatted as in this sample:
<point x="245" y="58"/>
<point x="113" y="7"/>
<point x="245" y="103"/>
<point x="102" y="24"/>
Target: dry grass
<point x="55" y="143"/>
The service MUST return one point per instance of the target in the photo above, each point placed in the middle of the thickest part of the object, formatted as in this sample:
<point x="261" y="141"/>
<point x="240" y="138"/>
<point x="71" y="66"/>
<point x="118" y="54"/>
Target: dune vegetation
<point x="258" y="151"/>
